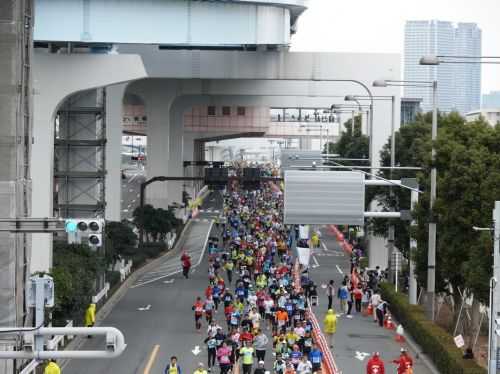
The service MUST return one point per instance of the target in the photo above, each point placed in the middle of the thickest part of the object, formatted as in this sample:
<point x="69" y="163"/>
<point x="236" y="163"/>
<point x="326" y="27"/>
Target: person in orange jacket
<point x="375" y="365"/>
<point x="404" y="362"/>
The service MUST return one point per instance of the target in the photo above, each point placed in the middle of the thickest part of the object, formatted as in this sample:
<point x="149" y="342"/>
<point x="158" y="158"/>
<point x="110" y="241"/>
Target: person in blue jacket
<point x="316" y="357"/>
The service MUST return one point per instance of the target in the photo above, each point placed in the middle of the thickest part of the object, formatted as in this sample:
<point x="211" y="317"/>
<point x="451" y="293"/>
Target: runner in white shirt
<point x="304" y="366"/>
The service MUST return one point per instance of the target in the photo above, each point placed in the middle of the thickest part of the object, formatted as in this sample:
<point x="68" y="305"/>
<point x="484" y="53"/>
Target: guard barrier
<point x="340" y="238"/>
<point x="329" y="365"/>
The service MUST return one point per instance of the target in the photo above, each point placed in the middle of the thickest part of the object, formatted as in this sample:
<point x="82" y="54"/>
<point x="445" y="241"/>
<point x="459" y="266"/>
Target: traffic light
<point x="216" y="178"/>
<point x="251" y="178"/>
<point x="85" y="230"/>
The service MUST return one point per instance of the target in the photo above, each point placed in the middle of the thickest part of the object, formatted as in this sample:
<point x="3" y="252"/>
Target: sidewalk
<point x="358" y="337"/>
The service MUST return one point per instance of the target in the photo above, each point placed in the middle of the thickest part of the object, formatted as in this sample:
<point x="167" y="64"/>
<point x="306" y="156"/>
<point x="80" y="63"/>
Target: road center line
<point x="339" y="269"/>
<point x="152" y="358"/>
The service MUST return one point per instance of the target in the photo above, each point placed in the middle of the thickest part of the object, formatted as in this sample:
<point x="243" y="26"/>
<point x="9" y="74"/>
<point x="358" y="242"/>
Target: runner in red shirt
<point x="375" y="365"/>
<point x="186" y="264"/>
<point x="198" y="313"/>
<point x="404" y="362"/>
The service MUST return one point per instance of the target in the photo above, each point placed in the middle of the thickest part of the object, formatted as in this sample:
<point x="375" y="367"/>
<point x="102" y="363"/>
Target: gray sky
<point x="378" y="26"/>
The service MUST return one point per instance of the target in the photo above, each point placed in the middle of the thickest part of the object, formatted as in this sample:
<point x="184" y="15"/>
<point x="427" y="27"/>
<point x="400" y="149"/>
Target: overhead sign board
<point x="324" y="197"/>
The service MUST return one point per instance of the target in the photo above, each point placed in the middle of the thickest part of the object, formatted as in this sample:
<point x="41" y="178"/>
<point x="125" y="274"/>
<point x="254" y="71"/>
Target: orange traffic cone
<point x="368" y="311"/>
<point x="400" y="334"/>
<point x="388" y="324"/>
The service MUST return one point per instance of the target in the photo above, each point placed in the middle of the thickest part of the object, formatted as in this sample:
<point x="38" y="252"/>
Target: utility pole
<point x="494" y="295"/>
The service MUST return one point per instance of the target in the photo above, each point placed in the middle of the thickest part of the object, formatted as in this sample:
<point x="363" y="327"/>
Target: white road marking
<point x="179" y="271"/>
<point x="339" y="269"/>
<point x="361" y="355"/>
<point x="131" y="190"/>
<point x="133" y="178"/>
<point x="133" y="201"/>
<point x="325" y="248"/>
<point x="144" y="308"/>
<point x="196" y="351"/>
<point x="125" y="210"/>
<point x="315" y="261"/>
<point x="170" y="281"/>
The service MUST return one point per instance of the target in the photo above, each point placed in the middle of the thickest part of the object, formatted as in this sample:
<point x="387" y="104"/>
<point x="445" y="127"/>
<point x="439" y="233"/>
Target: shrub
<point x="113" y="277"/>
<point x="152" y="250"/>
<point x="434" y="340"/>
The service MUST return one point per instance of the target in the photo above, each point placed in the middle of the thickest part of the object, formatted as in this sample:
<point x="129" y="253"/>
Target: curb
<point x="108" y="306"/>
<point x="420" y="353"/>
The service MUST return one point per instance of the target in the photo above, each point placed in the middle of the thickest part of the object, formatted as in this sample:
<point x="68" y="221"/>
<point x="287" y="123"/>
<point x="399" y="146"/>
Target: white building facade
<point x="492" y="116"/>
<point x="459" y="85"/>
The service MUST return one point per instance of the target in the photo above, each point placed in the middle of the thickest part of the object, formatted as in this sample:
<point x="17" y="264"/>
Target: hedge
<point x="434" y="340"/>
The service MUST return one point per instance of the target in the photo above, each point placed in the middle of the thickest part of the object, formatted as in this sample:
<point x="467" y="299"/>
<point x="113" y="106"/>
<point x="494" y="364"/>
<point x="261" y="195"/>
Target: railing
<point x="125" y="270"/>
<point x="329" y="365"/>
<point x="53" y="344"/>
<point x="102" y="294"/>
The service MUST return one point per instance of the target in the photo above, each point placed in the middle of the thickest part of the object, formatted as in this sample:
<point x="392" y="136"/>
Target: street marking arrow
<point x="196" y="351"/>
<point x="170" y="281"/>
<point x="144" y="308"/>
<point x="361" y="355"/>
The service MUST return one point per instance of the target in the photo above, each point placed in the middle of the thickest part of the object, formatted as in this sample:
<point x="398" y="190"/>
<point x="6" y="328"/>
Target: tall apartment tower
<point x="459" y="85"/>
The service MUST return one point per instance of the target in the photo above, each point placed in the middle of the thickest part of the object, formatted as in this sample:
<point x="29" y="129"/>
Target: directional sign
<point x="196" y="351"/>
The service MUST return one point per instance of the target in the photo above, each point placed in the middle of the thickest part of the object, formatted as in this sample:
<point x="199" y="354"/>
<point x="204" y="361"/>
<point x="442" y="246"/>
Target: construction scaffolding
<point x="80" y="157"/>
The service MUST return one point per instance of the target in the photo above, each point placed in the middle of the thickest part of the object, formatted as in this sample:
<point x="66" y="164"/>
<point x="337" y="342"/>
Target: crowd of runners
<point x="251" y="311"/>
<point x="252" y="314"/>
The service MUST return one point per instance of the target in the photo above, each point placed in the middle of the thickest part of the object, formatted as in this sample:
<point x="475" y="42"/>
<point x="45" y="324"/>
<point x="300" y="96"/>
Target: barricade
<point x="340" y="238"/>
<point x="329" y="365"/>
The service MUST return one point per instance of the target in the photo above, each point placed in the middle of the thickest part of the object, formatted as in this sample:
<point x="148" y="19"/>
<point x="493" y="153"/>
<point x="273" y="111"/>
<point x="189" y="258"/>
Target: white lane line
<point x="131" y="190"/>
<point x="316" y="263"/>
<point x="325" y="248"/>
<point x="133" y="178"/>
<point x="178" y="271"/>
<point x="339" y="269"/>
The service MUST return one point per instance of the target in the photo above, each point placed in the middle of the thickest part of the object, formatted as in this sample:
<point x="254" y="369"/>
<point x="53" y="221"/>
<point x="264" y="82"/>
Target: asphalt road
<point x="359" y="336"/>
<point x="168" y="322"/>
<point x="131" y="186"/>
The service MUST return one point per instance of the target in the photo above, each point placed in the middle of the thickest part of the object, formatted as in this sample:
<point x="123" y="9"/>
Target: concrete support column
<point x="175" y="156"/>
<point x="114" y="128"/>
<point x="158" y="96"/>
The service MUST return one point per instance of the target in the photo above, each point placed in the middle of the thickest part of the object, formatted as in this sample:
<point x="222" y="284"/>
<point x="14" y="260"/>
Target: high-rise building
<point x="491" y="100"/>
<point x="459" y="85"/>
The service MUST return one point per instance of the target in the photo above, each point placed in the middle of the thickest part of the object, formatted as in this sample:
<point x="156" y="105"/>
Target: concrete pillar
<point x="114" y="124"/>
<point x="175" y="156"/>
<point x="158" y="96"/>
<point x="81" y="72"/>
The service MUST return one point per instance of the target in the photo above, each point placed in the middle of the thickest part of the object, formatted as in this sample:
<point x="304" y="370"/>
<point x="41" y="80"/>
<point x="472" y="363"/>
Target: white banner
<point x="304" y="255"/>
<point x="304" y="232"/>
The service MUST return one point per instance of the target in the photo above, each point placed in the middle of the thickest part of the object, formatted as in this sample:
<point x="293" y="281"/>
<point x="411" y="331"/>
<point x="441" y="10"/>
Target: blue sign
<point x="70" y="226"/>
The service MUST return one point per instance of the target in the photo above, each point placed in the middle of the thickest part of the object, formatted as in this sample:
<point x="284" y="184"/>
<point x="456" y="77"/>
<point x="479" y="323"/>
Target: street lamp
<point x="337" y="108"/>
<point x="432" y="60"/>
<point x="431" y="255"/>
<point x="393" y="150"/>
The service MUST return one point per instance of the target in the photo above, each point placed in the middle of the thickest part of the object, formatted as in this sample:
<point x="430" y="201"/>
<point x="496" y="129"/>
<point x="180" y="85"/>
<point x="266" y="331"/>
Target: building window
<point x="226" y="111"/>
<point x="211" y="110"/>
<point x="241" y="110"/>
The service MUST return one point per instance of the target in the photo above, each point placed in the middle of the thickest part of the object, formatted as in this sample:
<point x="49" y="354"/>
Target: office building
<point x="459" y="85"/>
<point x="491" y="100"/>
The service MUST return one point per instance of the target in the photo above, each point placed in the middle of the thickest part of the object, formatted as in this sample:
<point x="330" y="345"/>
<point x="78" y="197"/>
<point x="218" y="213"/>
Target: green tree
<point x="120" y="240"/>
<point x="468" y="166"/>
<point x="75" y="271"/>
<point x="145" y="218"/>
<point x="351" y="144"/>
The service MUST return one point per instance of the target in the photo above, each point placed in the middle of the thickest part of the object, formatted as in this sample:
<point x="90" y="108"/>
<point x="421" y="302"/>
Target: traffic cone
<point x="400" y="334"/>
<point x="388" y="324"/>
<point x="368" y="311"/>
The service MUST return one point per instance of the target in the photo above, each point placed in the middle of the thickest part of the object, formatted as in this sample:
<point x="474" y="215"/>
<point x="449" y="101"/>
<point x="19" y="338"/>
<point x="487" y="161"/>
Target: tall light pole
<point x="431" y="253"/>
<point x="392" y="99"/>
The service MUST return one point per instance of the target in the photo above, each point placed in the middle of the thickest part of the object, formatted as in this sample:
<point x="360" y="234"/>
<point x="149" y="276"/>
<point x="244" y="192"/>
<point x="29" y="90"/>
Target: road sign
<point x="324" y="197"/>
